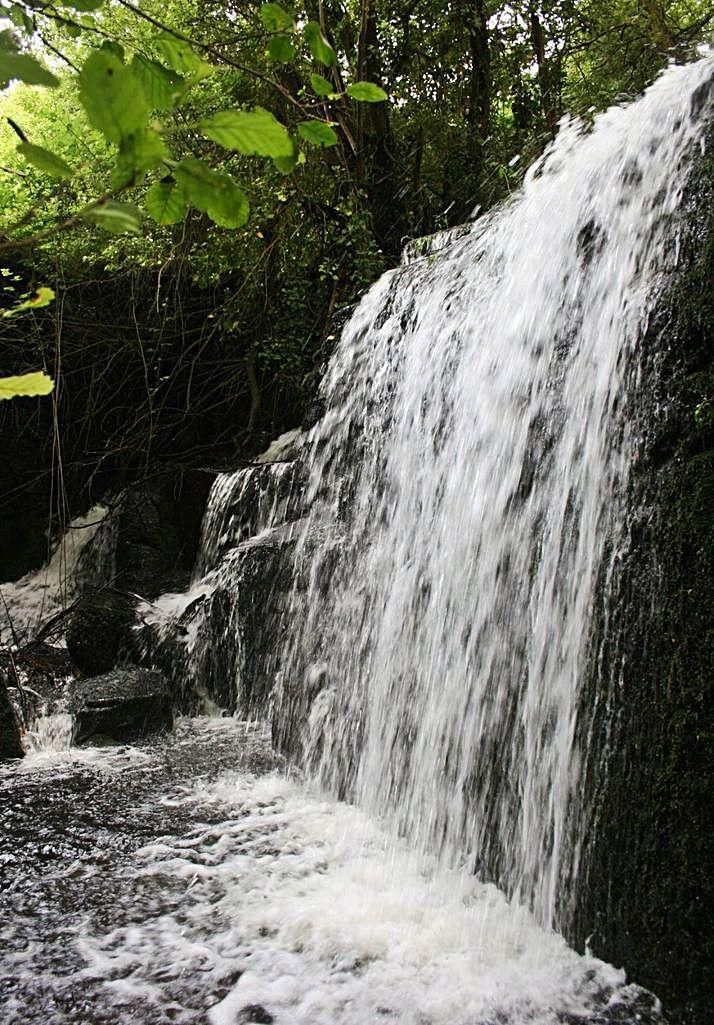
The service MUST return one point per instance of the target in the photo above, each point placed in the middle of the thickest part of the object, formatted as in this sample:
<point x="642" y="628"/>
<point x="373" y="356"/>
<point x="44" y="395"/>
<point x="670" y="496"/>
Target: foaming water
<point x="158" y="885"/>
<point x="323" y="921"/>
<point x="466" y="502"/>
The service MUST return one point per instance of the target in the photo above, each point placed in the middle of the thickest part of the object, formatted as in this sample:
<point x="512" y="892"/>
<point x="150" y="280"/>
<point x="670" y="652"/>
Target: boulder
<point x="123" y="705"/>
<point x="10" y="746"/>
<point x="98" y="630"/>
<point x="148" y="542"/>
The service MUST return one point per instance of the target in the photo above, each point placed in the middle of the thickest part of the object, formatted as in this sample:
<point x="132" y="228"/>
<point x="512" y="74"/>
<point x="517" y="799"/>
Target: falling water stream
<point x="470" y="472"/>
<point x="465" y="500"/>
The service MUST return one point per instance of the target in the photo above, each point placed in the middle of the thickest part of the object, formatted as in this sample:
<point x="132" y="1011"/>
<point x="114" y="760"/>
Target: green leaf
<point x="162" y="87"/>
<point x="317" y="133"/>
<point x="117" y="218"/>
<point x="112" y="46"/>
<point x="253" y="132"/>
<point x="138" y="153"/>
<point x="288" y="163"/>
<point x="276" y="18"/>
<point x="166" y="202"/>
<point x="213" y="192"/>
<point x="112" y="96"/>
<point x="41" y="297"/>
<point x="44" y="160"/>
<point x="21" y="66"/>
<point x="280" y="49"/>
<point x="83" y="5"/>
<point x="319" y="47"/>
<point x="179" y="55"/>
<point x="321" y="86"/>
<point x="37" y="383"/>
<point x="20" y="18"/>
<point x="366" y="92"/>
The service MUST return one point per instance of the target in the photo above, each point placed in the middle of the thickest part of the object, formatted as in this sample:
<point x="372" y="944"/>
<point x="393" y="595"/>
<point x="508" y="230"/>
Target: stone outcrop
<point x="98" y="631"/>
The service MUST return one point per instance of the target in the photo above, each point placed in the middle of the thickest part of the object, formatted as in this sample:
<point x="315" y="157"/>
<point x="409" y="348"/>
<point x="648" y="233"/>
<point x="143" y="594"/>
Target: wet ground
<point x="70" y="824"/>
<point x="191" y="881"/>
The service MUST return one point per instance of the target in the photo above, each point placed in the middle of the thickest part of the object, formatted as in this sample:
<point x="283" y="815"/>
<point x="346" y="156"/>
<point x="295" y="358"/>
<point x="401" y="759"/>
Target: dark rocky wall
<point x="645" y="889"/>
<point x="10" y="745"/>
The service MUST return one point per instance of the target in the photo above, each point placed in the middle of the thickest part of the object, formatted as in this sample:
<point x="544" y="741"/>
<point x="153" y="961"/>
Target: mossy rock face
<point x="645" y="885"/>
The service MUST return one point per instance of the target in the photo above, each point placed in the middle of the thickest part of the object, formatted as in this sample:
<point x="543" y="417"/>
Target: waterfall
<point x="466" y="503"/>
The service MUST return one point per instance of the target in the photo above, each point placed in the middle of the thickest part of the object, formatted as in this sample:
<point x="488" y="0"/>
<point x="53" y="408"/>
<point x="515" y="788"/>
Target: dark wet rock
<point x="98" y="630"/>
<point x="224" y="644"/>
<point x="148" y="542"/>
<point x="123" y="705"/>
<point x="255" y="1014"/>
<point x="645" y="884"/>
<point x="10" y="745"/>
<point x="253" y="500"/>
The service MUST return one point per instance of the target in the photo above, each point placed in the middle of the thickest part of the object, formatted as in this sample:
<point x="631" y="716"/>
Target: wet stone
<point x="255" y="1014"/>
<point x="123" y="705"/>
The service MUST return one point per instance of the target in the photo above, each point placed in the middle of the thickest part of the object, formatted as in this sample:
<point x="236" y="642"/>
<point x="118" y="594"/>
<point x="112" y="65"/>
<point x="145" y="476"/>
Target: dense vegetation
<point x="205" y="187"/>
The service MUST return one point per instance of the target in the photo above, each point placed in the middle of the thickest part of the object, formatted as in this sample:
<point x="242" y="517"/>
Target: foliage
<point x="207" y="185"/>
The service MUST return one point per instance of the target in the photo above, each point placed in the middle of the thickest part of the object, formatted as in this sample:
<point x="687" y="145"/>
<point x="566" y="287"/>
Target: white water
<point x="332" y="924"/>
<point x="466" y="497"/>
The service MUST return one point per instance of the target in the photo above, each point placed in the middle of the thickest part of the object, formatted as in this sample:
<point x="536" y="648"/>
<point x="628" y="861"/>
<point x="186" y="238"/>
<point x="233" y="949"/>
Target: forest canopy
<point x="206" y="187"/>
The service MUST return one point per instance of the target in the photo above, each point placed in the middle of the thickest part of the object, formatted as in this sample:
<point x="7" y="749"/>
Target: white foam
<point x="330" y="923"/>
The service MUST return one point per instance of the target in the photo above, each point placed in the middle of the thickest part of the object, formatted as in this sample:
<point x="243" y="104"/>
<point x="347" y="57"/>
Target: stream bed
<point x="191" y="880"/>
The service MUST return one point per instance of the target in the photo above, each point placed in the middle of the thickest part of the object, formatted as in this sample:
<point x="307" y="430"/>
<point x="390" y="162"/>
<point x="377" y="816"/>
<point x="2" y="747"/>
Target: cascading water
<point x="466" y="498"/>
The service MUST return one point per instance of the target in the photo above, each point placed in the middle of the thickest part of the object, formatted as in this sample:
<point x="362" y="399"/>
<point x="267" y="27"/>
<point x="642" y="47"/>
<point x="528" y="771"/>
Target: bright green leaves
<point x="37" y="383"/>
<point x="276" y="19"/>
<point x="14" y="64"/>
<point x="165" y="202"/>
<point x="288" y="164"/>
<point x="319" y="47"/>
<point x="321" y="86"/>
<point x="162" y="87"/>
<point x="281" y="50"/>
<point x="117" y="218"/>
<point x="41" y="297"/>
<point x="213" y="192"/>
<point x="112" y="97"/>
<point x="253" y="132"/>
<point x="317" y="133"/>
<point x="182" y="58"/>
<point x="44" y="160"/>
<point x="366" y="92"/>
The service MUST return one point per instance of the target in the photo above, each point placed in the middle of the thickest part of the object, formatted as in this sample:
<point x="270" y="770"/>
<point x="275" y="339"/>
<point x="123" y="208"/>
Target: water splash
<point x="466" y="499"/>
